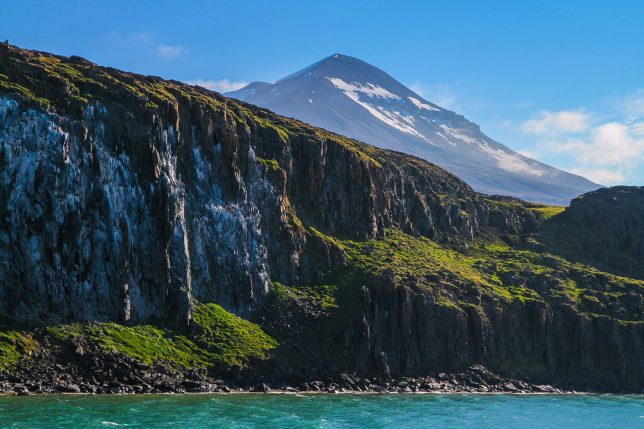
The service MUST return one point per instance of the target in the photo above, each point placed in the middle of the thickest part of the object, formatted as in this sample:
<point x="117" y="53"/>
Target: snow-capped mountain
<point x="350" y="97"/>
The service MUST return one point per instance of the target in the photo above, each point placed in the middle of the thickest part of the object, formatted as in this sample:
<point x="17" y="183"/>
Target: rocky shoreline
<point x="475" y="379"/>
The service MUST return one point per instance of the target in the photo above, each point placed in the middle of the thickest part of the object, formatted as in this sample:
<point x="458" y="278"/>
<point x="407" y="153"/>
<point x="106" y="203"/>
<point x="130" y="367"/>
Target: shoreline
<point x="308" y="389"/>
<point x="131" y="378"/>
<point x="311" y="393"/>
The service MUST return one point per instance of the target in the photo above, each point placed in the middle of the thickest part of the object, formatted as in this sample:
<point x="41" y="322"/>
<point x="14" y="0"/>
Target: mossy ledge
<point x="218" y="342"/>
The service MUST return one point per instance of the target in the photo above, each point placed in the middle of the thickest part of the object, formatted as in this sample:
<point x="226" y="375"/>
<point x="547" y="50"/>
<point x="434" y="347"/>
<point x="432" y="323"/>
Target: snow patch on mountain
<point x="395" y="119"/>
<point x="368" y="89"/>
<point x="422" y="105"/>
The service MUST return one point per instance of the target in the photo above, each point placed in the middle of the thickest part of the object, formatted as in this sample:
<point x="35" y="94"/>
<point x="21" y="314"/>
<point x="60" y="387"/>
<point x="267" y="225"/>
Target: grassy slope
<point x="455" y="277"/>
<point x="220" y="340"/>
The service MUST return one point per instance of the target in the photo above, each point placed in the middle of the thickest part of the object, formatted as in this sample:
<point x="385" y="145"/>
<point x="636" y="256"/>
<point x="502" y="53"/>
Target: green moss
<point x="229" y="339"/>
<point x="14" y="345"/>
<point x="548" y="211"/>
<point x="270" y="164"/>
<point x="12" y="87"/>
<point x="322" y="296"/>
<point x="327" y="238"/>
<point x="543" y="211"/>
<point x="280" y="132"/>
<point x="421" y="261"/>
<point x="145" y="343"/>
<point x="221" y="340"/>
<point x="551" y="278"/>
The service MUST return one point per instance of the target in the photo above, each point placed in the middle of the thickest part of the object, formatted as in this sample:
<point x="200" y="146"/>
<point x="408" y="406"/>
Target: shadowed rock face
<point x="130" y="198"/>
<point x="604" y="229"/>
<point x="541" y="341"/>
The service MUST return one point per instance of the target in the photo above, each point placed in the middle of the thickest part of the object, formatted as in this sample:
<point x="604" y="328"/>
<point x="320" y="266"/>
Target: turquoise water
<point x="323" y="411"/>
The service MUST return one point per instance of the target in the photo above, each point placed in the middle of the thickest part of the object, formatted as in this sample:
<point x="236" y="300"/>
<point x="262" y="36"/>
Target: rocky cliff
<point x="604" y="229"/>
<point x="168" y="208"/>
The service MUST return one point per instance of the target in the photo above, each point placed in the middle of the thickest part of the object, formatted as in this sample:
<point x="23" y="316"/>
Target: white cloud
<point x="638" y="129"/>
<point x="140" y="37"/>
<point x="530" y="153"/>
<point x="223" y="85"/>
<point x="605" y="152"/>
<point x="612" y="144"/>
<point x="555" y="123"/>
<point x="170" y="52"/>
<point x="440" y="94"/>
<point x="600" y="175"/>
<point x="631" y="105"/>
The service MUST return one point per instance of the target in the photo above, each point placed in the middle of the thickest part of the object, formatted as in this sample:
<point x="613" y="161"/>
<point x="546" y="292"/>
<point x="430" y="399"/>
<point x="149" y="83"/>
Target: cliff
<point x="138" y="211"/>
<point x="603" y="228"/>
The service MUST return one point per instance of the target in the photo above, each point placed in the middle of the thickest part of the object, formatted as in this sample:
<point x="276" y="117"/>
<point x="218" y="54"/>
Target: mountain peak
<point x="349" y="96"/>
<point x="347" y="68"/>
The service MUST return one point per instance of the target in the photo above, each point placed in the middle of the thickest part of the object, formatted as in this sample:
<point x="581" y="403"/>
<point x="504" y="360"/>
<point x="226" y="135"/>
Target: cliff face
<point x="133" y="199"/>
<point x="604" y="229"/>
<point x="534" y="339"/>
<point x="124" y="197"/>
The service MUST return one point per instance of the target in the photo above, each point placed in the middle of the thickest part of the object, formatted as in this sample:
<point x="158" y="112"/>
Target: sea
<point x="272" y="410"/>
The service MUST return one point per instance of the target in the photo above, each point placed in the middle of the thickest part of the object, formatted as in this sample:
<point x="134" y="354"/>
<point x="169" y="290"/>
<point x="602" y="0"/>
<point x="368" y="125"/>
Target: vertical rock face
<point x="409" y="331"/>
<point x="128" y="203"/>
<point x="99" y="230"/>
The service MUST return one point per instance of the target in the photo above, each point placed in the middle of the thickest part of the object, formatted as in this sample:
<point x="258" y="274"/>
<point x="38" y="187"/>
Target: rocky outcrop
<point x="402" y="331"/>
<point x="603" y="228"/>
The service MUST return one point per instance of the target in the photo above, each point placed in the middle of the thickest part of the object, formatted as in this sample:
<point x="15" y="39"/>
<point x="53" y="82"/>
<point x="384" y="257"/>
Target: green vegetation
<point x="550" y="277"/>
<point x="548" y="211"/>
<point x="145" y="343"/>
<point x="13" y="346"/>
<point x="270" y="164"/>
<point x="7" y="86"/>
<point x="221" y="340"/>
<point x="459" y="277"/>
<point x="322" y="297"/>
<point x="424" y="263"/>
<point x="230" y="340"/>
<point x="281" y="132"/>
<point x="543" y="211"/>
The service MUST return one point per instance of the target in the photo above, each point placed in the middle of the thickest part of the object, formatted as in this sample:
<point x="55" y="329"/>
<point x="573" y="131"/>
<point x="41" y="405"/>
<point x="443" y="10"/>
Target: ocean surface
<point x="324" y="411"/>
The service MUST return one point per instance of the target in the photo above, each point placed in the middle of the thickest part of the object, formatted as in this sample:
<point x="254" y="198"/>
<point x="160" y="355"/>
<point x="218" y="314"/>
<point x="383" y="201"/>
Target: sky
<point x="559" y="81"/>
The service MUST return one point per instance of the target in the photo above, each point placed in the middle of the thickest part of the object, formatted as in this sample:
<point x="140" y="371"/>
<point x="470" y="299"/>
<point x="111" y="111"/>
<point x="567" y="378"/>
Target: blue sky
<point x="560" y="81"/>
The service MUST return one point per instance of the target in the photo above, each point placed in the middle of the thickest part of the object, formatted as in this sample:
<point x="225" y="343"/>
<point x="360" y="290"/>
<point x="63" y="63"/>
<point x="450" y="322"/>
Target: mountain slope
<point x="157" y="236"/>
<point x="350" y="97"/>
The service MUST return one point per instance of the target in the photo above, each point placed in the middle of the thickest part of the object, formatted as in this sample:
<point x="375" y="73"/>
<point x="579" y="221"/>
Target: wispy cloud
<point x="600" y="175"/>
<point x="440" y="94"/>
<point x="223" y="85"/>
<point x="556" y="123"/>
<point x="530" y="153"/>
<point x="607" y="152"/>
<point x="140" y="37"/>
<point x="631" y="105"/>
<point x="170" y="52"/>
